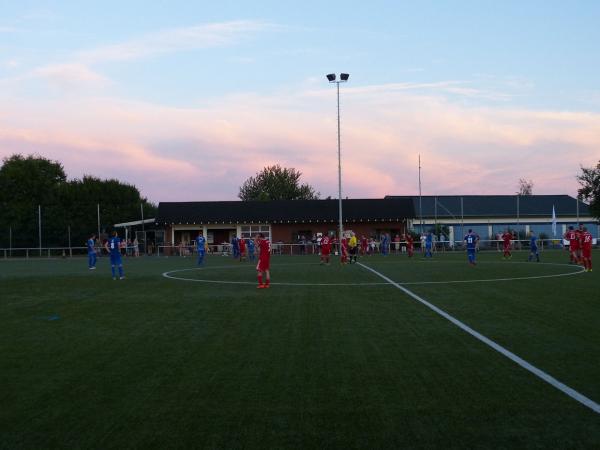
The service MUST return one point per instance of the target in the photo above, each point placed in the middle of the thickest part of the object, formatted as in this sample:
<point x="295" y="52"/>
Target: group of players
<point x="507" y="237"/>
<point x="240" y="247"/>
<point x="580" y="246"/>
<point x="351" y="247"/>
<point x="113" y="247"/>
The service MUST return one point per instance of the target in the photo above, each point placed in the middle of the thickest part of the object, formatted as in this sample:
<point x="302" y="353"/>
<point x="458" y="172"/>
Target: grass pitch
<point x="329" y="357"/>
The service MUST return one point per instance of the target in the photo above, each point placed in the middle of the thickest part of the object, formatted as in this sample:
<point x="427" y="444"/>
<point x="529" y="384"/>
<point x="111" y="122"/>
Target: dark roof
<point x="449" y="206"/>
<point x="278" y="211"/>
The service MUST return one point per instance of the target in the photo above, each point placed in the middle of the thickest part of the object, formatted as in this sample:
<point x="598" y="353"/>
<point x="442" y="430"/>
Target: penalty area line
<point x="505" y="352"/>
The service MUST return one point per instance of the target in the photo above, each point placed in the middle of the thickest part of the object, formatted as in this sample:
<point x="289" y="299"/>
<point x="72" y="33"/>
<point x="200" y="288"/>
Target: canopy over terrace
<point x="283" y="219"/>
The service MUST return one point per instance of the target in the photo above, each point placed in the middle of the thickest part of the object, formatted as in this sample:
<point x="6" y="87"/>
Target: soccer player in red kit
<point x="344" y="250"/>
<point x="364" y="245"/>
<point x="325" y="249"/>
<point x="264" y="261"/>
<point x="586" y="249"/>
<point x="579" y="234"/>
<point x="410" y="245"/>
<point x="571" y="236"/>
<point x="506" y="238"/>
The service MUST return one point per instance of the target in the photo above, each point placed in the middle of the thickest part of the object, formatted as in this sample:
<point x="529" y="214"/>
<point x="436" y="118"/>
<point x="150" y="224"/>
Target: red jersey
<point x="586" y="240"/>
<point x="409" y="240"/>
<point x="507" y="237"/>
<point x="325" y="245"/>
<point x="363" y="243"/>
<point x="571" y="236"/>
<point x="344" y="247"/>
<point x="586" y="245"/>
<point x="579" y="234"/>
<point x="242" y="244"/>
<point x="264" y="260"/>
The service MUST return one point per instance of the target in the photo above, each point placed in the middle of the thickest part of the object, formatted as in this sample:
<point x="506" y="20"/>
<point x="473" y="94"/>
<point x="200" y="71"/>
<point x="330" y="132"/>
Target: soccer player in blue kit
<point x="251" y="249"/>
<point x="113" y="247"/>
<point x="533" y="248"/>
<point x="200" y="247"/>
<point x="428" y="245"/>
<point x="91" y="252"/>
<point x="471" y="240"/>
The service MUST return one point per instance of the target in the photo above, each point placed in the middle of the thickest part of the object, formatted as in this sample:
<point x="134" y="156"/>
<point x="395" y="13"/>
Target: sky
<point x="186" y="100"/>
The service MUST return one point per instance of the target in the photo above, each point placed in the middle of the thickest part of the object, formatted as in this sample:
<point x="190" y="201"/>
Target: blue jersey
<point x="471" y="240"/>
<point x="114" y="245"/>
<point x="200" y="243"/>
<point x="251" y="245"/>
<point x="533" y="242"/>
<point x="429" y="240"/>
<point x="90" y="246"/>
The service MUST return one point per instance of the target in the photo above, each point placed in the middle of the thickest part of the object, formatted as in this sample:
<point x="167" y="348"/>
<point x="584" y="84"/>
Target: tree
<point x="25" y="183"/>
<point x="119" y="202"/>
<point x="525" y="187"/>
<point x="590" y="188"/>
<point x="276" y="183"/>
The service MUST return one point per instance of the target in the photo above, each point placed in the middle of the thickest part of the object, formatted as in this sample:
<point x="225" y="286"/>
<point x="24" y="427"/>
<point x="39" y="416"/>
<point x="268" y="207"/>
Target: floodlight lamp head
<point x="344" y="76"/>
<point x="331" y="77"/>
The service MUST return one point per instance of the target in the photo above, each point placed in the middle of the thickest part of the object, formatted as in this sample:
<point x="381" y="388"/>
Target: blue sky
<point x="183" y="85"/>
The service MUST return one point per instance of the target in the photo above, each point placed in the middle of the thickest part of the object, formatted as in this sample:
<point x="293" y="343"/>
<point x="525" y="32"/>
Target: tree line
<point x="29" y="181"/>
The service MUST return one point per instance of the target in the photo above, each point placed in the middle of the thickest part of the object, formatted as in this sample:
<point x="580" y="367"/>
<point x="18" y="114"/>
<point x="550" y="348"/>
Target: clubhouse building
<point x="285" y="221"/>
<point x="288" y="221"/>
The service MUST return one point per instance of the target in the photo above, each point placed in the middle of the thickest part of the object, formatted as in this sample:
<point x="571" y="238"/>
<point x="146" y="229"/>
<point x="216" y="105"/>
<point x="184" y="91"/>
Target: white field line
<point x="168" y="275"/>
<point x="520" y="361"/>
<point x="489" y="280"/>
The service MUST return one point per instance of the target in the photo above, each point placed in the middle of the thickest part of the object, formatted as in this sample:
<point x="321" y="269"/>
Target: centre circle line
<point x="168" y="274"/>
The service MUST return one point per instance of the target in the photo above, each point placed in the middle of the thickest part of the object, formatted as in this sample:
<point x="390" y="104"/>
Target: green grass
<point x="151" y="362"/>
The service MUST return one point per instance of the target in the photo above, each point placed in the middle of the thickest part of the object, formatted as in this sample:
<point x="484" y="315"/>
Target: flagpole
<point x="420" y="198"/>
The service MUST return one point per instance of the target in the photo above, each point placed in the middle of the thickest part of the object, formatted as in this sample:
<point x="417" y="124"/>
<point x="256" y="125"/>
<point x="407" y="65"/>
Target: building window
<point x="249" y="231"/>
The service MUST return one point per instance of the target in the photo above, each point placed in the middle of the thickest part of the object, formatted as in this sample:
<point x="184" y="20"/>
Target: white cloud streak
<point x="174" y="40"/>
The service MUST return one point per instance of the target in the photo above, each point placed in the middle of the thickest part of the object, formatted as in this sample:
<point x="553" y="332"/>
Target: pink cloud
<point x="206" y="153"/>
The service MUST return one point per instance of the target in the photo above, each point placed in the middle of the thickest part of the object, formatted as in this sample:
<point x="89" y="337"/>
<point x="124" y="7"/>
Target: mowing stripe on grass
<point x="520" y="361"/>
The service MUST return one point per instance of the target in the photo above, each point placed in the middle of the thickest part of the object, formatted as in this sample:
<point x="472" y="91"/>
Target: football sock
<point x="268" y="281"/>
<point x="112" y="268"/>
<point x="121" y="271"/>
<point x="260" y="279"/>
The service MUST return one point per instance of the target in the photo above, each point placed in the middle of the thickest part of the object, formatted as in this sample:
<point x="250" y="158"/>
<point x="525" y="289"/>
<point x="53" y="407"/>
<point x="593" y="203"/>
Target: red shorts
<point x="263" y="264"/>
<point x="506" y="246"/>
<point x="325" y="251"/>
<point x="586" y="252"/>
<point x="574" y="246"/>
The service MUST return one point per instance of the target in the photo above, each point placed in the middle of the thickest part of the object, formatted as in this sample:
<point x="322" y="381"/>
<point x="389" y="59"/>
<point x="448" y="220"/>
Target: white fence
<point x="280" y="248"/>
<point x="375" y="247"/>
<point x="56" y="252"/>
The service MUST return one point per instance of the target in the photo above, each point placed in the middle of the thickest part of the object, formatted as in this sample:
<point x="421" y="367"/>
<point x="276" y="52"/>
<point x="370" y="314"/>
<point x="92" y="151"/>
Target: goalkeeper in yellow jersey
<point x="353" y="248"/>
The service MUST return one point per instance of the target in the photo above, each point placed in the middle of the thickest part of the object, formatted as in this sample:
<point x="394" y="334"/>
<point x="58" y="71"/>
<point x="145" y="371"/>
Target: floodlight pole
<point x="343" y="79"/>
<point x="339" y="134"/>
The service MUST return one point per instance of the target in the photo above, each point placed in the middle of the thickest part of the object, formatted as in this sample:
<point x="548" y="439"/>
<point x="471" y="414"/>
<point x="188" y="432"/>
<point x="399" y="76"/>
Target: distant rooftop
<point x="285" y="211"/>
<point x="449" y="206"/>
